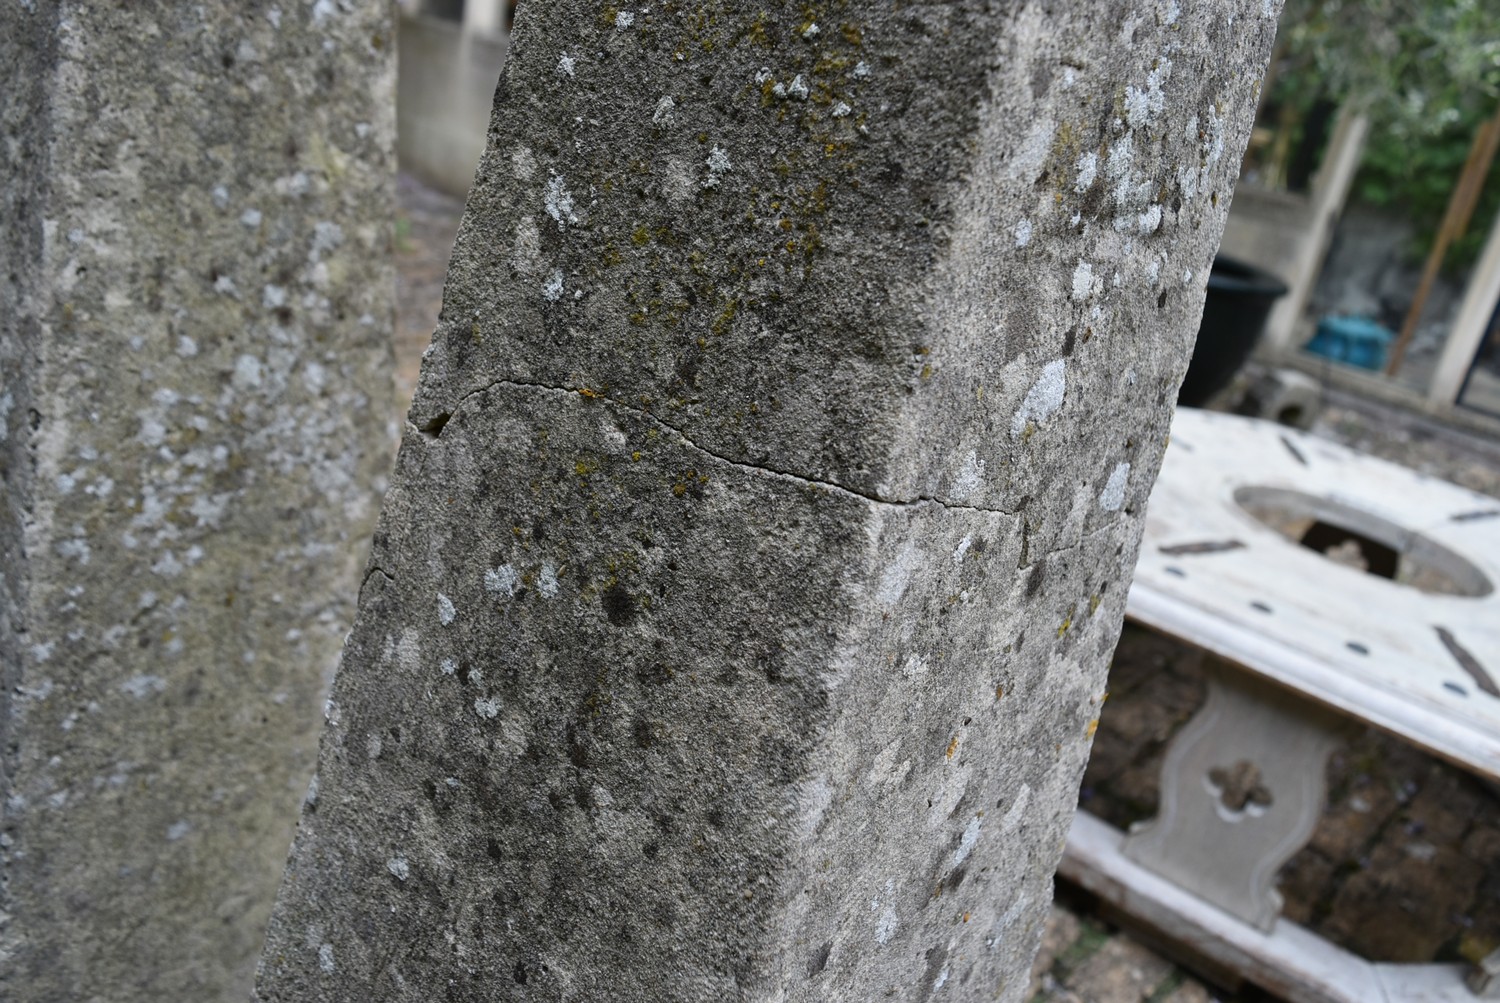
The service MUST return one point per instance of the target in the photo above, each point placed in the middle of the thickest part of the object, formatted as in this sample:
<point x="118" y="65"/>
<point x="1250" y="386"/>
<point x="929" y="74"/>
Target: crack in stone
<point x="375" y="570"/>
<point x="434" y="426"/>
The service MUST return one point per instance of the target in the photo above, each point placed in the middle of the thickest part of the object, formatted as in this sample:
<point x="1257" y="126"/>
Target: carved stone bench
<point x="1325" y="588"/>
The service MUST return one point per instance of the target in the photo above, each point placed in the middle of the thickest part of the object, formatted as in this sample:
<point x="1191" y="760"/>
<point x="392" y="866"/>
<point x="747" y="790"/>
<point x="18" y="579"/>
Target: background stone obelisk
<point x="741" y="605"/>
<point x="195" y="312"/>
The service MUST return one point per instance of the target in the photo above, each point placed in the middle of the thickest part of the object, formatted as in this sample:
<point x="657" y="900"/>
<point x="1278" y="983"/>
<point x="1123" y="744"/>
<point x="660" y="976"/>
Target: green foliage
<point x="1427" y="72"/>
<point x="1416" y="179"/>
<point x="1407" y="61"/>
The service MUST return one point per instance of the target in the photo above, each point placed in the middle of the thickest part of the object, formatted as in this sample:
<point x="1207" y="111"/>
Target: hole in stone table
<point x="1356" y="647"/>
<point x="1176" y="572"/>
<point x="1364" y="541"/>
<point x="1262" y="607"/>
<point x="1455" y="688"/>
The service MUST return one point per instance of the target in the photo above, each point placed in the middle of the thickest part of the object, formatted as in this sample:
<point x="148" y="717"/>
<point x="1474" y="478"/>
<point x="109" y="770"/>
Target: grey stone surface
<point x="741" y="605"/>
<point x="195" y="310"/>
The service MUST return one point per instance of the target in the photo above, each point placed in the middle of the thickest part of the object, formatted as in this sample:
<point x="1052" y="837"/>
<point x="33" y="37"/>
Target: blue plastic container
<point x="1358" y="341"/>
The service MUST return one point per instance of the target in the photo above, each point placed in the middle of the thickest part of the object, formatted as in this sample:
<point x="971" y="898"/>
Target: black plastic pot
<point x="1239" y="299"/>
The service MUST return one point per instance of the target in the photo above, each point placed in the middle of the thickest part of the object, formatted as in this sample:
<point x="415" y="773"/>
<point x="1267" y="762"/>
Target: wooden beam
<point x="1455" y="221"/>
<point x="1469" y="328"/>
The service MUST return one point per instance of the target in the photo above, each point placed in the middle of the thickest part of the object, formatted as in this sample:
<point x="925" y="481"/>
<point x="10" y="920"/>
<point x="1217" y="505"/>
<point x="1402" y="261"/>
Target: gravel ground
<point x="1405" y="864"/>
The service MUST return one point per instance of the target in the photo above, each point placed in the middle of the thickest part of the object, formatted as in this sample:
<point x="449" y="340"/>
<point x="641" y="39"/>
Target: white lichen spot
<point x="41" y="691"/>
<point x="799" y="88"/>
<point x="1023" y="233"/>
<point x="1153" y="272"/>
<point x="553" y="289"/>
<point x="1173" y="12"/>
<point x="1088" y="169"/>
<point x="1016" y="812"/>
<point x="623" y="20"/>
<point x="840" y="110"/>
<point x="1113" y="495"/>
<point x="523" y="163"/>
<point x="666" y="112"/>
<point x="250" y="218"/>
<point x="678" y="181"/>
<point x="488" y="707"/>
<point x="7" y="403"/>
<point x="763" y="74"/>
<point x="559" y="202"/>
<point x="1083" y="280"/>
<point x="446" y="610"/>
<point x="248" y="373"/>
<point x="968" y="841"/>
<point x="888" y="769"/>
<point x="1187" y="276"/>
<point x="546" y="582"/>
<point x="886" y="920"/>
<point x="861" y="69"/>
<point x="941" y="980"/>
<point x="1144" y="104"/>
<point x="1213" y="141"/>
<point x="1121" y="158"/>
<point x="1149" y="221"/>
<point x="143" y="686"/>
<point x="813" y="798"/>
<point x="970" y="477"/>
<point x="898" y="575"/>
<point x="962" y="550"/>
<point x="272" y="297"/>
<point x="449" y="666"/>
<point x="811" y="31"/>
<point x="311" y="797"/>
<point x="503" y="580"/>
<point x="718" y="166"/>
<point x="178" y="829"/>
<point x="224" y="284"/>
<point x="1043" y="399"/>
<point x="327" y="236"/>
<point x="325" y="959"/>
<point x="399" y="868"/>
<point x="566" y="65"/>
<point x="528" y="249"/>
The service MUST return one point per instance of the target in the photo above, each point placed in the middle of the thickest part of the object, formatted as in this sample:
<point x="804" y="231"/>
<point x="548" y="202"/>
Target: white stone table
<point x="1397" y="626"/>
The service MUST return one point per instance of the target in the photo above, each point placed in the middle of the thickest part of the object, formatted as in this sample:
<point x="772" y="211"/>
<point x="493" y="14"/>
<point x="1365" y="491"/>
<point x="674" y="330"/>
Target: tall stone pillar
<point x="195" y="308"/>
<point x="739" y="613"/>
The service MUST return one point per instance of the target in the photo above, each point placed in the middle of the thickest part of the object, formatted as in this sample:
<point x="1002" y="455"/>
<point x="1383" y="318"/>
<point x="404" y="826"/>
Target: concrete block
<point x="195" y="377"/>
<point x="740" y="610"/>
<point x="1285" y="396"/>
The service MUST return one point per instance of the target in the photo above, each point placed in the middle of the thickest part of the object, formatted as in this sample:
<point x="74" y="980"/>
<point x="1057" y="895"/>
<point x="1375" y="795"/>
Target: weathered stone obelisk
<point x="195" y="300"/>
<point x="741" y="606"/>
